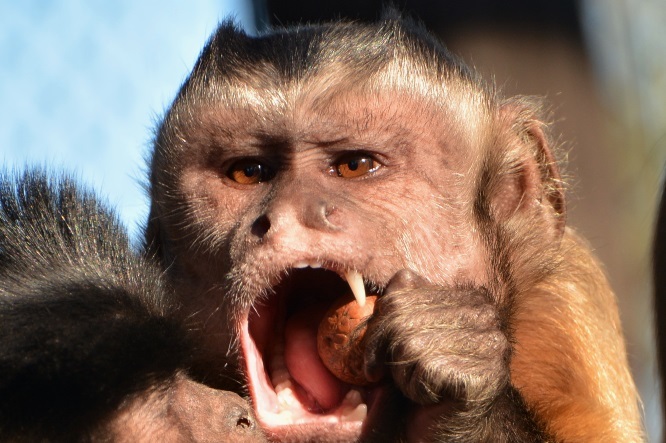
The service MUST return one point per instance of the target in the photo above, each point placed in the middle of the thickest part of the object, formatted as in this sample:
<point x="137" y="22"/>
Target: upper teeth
<point x="305" y="264"/>
<point x="355" y="281"/>
<point x="354" y="278"/>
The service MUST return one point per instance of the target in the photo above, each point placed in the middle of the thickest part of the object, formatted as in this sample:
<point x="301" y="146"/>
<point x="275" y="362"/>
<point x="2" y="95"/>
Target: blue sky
<point x="83" y="83"/>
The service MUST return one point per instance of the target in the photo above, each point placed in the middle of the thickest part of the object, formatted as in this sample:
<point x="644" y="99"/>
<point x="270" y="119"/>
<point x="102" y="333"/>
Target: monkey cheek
<point x="340" y="339"/>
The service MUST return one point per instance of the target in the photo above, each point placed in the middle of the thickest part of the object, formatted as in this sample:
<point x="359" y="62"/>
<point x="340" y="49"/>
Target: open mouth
<point x="288" y="381"/>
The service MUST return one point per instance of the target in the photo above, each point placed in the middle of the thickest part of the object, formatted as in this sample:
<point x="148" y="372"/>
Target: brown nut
<point x="339" y="342"/>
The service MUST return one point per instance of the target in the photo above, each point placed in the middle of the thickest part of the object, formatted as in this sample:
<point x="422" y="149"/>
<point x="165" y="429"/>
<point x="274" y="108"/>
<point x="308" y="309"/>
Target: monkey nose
<point x="317" y="215"/>
<point x="261" y="226"/>
<point x="314" y="216"/>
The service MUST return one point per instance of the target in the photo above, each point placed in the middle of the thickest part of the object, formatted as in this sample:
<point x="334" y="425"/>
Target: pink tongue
<point x="302" y="358"/>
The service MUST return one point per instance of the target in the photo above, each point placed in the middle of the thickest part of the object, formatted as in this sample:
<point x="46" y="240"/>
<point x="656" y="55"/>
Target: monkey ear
<point x="530" y="180"/>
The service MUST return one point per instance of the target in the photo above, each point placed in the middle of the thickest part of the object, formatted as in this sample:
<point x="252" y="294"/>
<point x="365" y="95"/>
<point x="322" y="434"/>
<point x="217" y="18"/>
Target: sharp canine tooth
<point x="315" y="265"/>
<point x="300" y="265"/>
<point x="355" y="281"/>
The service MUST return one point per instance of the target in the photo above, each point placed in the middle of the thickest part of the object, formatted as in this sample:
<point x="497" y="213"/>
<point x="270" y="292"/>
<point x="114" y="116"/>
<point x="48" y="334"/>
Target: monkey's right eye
<point x="249" y="172"/>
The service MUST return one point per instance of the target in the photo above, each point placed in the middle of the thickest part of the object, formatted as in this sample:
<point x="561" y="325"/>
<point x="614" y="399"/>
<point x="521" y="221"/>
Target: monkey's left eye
<point x="249" y="172"/>
<point x="355" y="165"/>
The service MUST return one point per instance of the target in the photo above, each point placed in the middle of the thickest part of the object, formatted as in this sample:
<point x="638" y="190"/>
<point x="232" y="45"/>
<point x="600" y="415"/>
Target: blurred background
<point x="82" y="84"/>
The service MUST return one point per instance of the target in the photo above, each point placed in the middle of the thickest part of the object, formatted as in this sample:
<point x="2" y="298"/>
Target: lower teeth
<point x="351" y="409"/>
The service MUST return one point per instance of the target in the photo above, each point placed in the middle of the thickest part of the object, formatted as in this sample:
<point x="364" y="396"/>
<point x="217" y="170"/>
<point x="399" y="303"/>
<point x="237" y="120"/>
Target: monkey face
<point x="295" y="166"/>
<point x="282" y="210"/>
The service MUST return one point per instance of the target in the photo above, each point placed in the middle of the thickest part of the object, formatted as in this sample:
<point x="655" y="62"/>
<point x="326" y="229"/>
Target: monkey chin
<point x="295" y="396"/>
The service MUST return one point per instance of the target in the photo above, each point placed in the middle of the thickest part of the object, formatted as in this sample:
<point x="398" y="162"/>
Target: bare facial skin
<point x="185" y="412"/>
<point x="298" y="164"/>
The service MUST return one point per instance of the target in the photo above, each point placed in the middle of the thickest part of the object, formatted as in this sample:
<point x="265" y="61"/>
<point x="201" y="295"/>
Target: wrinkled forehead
<point x="335" y="95"/>
<point x="373" y="92"/>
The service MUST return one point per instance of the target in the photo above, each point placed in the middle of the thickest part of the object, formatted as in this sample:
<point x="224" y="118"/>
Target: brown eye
<point x="355" y="166"/>
<point x="249" y="172"/>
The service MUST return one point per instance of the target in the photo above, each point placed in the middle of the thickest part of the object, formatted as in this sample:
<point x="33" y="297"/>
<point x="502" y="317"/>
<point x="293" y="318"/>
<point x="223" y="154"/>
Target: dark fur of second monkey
<point x="84" y="322"/>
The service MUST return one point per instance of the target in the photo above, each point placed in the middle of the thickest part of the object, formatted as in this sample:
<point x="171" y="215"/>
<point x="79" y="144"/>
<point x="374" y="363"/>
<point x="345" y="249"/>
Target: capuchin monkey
<point x="301" y="163"/>
<point x="293" y="169"/>
<point x="90" y="348"/>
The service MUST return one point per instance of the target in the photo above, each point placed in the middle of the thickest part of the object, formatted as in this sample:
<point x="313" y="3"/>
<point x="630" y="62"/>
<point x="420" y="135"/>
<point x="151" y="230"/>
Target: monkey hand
<point x="440" y="345"/>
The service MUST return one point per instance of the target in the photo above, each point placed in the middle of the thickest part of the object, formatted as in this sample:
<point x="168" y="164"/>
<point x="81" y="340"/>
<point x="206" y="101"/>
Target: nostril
<point x="317" y="215"/>
<point x="244" y="422"/>
<point x="261" y="226"/>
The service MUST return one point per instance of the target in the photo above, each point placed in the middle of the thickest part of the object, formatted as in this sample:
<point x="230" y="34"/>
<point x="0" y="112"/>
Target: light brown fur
<point x="580" y="383"/>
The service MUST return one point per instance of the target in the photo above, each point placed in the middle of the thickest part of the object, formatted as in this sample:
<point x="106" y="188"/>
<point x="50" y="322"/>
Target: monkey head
<point x="294" y="165"/>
